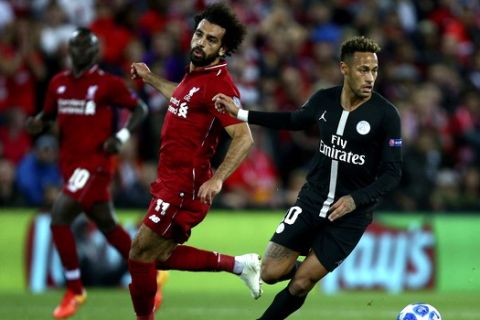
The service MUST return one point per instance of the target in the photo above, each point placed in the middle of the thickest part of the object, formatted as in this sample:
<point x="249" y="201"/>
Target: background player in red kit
<point x="83" y="101"/>
<point x="185" y="185"/>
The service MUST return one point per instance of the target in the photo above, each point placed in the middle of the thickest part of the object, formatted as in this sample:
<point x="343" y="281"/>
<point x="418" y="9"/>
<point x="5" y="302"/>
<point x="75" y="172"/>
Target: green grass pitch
<point x="211" y="296"/>
<point x="194" y="300"/>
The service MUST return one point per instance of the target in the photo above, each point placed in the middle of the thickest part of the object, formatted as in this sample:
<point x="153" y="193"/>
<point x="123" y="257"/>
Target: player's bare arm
<point x="341" y="207"/>
<point x="240" y="145"/>
<point x="139" y="70"/>
<point x="114" y="143"/>
<point x="225" y="104"/>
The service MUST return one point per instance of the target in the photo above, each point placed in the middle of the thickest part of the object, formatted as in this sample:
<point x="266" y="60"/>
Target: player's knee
<point x="268" y="277"/>
<point x="269" y="274"/>
<point x="140" y="251"/>
<point x="57" y="218"/>
<point x="301" y="286"/>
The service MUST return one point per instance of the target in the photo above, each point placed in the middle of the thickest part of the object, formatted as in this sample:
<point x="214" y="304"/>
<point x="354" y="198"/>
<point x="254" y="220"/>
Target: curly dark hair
<point x="220" y="14"/>
<point x="358" y="44"/>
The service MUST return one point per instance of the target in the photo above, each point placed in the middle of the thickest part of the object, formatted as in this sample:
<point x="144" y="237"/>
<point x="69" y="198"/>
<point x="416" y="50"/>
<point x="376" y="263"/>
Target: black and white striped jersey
<point x="359" y="152"/>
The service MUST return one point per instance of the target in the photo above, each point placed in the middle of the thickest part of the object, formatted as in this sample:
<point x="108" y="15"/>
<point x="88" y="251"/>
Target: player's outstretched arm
<point x="139" y="70"/>
<point x="275" y="120"/>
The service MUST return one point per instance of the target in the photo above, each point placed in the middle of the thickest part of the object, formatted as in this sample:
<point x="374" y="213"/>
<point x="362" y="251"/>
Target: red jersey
<point x="192" y="129"/>
<point x="85" y="114"/>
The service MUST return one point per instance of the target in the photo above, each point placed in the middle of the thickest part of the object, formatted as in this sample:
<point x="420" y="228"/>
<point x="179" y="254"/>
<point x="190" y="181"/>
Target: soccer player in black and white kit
<point x="358" y="161"/>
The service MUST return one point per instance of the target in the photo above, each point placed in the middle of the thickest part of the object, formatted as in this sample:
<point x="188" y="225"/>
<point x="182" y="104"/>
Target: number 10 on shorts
<point x="78" y="179"/>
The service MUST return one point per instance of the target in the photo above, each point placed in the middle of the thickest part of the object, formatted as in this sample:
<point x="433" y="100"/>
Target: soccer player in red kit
<point x="185" y="184"/>
<point x="83" y="101"/>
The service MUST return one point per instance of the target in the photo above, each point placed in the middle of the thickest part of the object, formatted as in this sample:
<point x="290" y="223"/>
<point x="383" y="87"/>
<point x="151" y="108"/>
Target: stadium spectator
<point x="185" y="184"/>
<point x="153" y="20"/>
<point x="255" y="182"/>
<point x="21" y="65"/>
<point x="130" y="191"/>
<point x="357" y="163"/>
<point x="79" y="12"/>
<point x="422" y="161"/>
<point x="8" y="191"/>
<point x="114" y="37"/>
<point x="14" y="139"/>
<point x="445" y="195"/>
<point x="6" y="13"/>
<point x="54" y="35"/>
<point x="470" y="190"/>
<point x="463" y="131"/>
<point x="84" y="101"/>
<point x="38" y="171"/>
<point x="56" y="31"/>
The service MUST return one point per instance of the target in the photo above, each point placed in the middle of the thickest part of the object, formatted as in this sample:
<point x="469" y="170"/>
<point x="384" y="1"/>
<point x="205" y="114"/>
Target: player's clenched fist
<point x="225" y="104"/>
<point x="34" y="125"/>
<point x="138" y="70"/>
<point x="112" y="145"/>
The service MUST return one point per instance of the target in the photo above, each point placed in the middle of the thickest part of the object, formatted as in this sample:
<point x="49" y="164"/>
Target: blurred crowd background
<point x="429" y="68"/>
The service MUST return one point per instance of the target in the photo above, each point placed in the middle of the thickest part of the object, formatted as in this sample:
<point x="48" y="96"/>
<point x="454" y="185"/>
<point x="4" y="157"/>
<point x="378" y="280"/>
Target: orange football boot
<point x="69" y="305"/>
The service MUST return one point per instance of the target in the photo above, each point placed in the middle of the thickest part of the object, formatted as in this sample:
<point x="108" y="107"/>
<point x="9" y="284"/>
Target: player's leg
<point x="65" y="210"/>
<point x="292" y="238"/>
<point x="331" y="244"/>
<point x="184" y="217"/>
<point x="102" y="214"/>
<point x="147" y="247"/>
<point x="278" y="263"/>
<point x="293" y="296"/>
<point x="187" y="258"/>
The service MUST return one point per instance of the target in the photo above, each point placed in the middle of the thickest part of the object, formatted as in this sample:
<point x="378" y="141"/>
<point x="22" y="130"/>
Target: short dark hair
<point x="220" y="14"/>
<point x="86" y="38"/>
<point x="358" y="44"/>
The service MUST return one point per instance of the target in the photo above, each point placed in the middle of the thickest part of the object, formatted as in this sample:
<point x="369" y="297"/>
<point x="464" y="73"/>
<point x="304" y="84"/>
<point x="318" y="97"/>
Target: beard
<point x="202" y="60"/>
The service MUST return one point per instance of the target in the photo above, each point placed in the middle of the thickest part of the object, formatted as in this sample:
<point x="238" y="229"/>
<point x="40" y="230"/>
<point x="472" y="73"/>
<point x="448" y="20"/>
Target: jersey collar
<point x="222" y="64"/>
<point x="92" y="69"/>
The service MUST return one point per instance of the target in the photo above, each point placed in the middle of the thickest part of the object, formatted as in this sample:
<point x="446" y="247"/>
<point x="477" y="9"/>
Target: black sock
<point x="282" y="306"/>
<point x="290" y="275"/>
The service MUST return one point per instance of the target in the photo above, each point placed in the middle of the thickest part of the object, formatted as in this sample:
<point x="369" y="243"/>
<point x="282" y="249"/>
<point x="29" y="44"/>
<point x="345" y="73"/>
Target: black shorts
<point x="302" y="229"/>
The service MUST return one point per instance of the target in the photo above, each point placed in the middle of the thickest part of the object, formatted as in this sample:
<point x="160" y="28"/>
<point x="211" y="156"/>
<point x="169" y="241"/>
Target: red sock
<point x="65" y="243"/>
<point x="143" y="286"/>
<point x="120" y="239"/>
<point x="192" y="259"/>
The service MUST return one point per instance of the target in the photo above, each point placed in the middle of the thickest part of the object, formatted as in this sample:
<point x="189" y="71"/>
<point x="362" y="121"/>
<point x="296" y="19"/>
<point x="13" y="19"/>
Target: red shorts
<point x="173" y="215"/>
<point x="87" y="186"/>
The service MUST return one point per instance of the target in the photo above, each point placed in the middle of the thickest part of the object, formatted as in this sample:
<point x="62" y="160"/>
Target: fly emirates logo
<point x="336" y="151"/>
